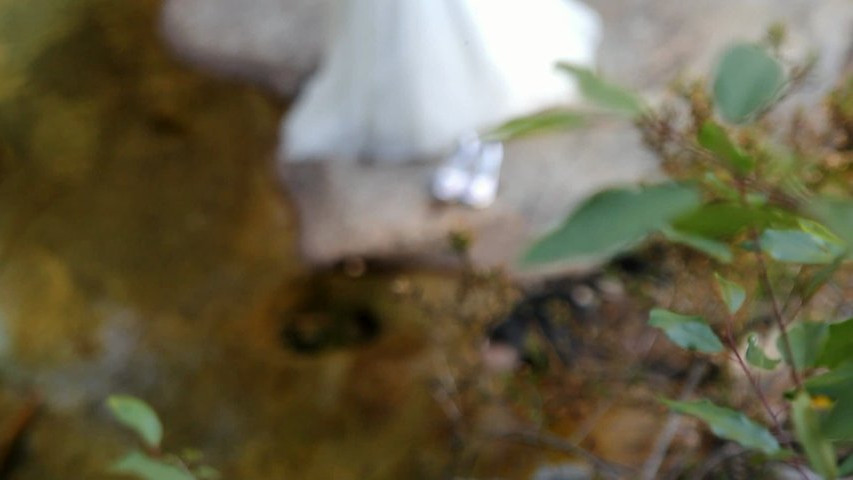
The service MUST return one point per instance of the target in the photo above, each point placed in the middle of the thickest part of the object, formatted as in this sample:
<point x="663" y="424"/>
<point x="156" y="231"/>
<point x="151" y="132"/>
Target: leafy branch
<point x="736" y="195"/>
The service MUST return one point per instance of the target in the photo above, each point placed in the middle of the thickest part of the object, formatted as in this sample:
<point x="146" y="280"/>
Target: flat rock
<point x="359" y="210"/>
<point x="272" y="42"/>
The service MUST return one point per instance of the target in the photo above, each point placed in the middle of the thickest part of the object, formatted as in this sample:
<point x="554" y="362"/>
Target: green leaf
<point x="807" y="341"/>
<point x="757" y="199"/>
<point x="838" y="348"/>
<point x="747" y="81"/>
<point x="690" y="332"/>
<point x="714" y="138"/>
<point x="604" y="94"/>
<point x="538" y="123"/>
<point x="612" y="220"/>
<point x="732" y="293"/>
<point x="837" y="425"/>
<point x="846" y="467"/>
<point x="729" y="424"/>
<point x="837" y="214"/>
<point x="798" y="246"/>
<point x="720" y="220"/>
<point x="727" y="219"/>
<point x="205" y="472"/>
<point x="138" y="416"/>
<point x="819" y="449"/>
<point x="717" y="250"/>
<point x="756" y="356"/>
<point x="143" y="467"/>
<point x="837" y="384"/>
<point x="821" y="232"/>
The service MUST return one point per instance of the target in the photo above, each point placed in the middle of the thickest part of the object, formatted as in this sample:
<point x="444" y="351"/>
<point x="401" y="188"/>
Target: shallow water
<point x="147" y="249"/>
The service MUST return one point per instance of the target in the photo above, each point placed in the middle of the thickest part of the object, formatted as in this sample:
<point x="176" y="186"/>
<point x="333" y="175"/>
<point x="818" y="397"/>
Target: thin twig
<point x="732" y="346"/>
<point x="796" y="292"/>
<point x="670" y="428"/>
<point x="805" y="299"/>
<point x="777" y="312"/>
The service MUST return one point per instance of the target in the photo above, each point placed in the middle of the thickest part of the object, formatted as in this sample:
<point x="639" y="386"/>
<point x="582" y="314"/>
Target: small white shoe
<point x="483" y="187"/>
<point x="451" y="180"/>
<point x="449" y="184"/>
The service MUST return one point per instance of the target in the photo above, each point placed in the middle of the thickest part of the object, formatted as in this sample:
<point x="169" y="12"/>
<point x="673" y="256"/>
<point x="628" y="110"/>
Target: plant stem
<point x="777" y="425"/>
<point x="777" y="311"/>
<point x="730" y="343"/>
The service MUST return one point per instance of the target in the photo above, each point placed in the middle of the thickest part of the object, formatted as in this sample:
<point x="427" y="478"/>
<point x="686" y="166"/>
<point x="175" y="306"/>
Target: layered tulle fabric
<point x="402" y="79"/>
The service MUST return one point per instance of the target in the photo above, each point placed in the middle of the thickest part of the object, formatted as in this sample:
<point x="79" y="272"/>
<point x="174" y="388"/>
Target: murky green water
<point x="146" y="248"/>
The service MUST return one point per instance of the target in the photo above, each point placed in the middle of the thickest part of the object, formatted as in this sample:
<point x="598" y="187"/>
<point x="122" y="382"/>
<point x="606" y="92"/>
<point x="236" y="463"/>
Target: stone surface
<point x="359" y="210"/>
<point x="273" y="42"/>
<point x="355" y="210"/>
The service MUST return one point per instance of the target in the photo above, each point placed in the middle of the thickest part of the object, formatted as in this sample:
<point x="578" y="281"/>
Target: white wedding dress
<point x="402" y="79"/>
